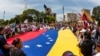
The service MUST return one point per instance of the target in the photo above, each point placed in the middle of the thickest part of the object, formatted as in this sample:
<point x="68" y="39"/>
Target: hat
<point x="83" y="30"/>
<point x="68" y="53"/>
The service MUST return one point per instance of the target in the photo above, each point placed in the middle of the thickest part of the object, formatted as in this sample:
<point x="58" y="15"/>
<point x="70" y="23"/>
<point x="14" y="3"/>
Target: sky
<point x="15" y="7"/>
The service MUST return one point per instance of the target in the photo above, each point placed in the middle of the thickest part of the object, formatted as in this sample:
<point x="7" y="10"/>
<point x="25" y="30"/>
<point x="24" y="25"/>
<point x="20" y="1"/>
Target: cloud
<point x="96" y="2"/>
<point x="11" y="8"/>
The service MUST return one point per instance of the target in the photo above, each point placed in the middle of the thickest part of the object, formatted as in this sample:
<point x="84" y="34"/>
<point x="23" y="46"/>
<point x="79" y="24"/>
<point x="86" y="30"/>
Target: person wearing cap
<point x="4" y="46"/>
<point x="97" y="48"/>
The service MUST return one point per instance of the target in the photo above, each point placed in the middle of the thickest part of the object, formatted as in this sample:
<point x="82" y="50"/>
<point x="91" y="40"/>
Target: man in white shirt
<point x="93" y="33"/>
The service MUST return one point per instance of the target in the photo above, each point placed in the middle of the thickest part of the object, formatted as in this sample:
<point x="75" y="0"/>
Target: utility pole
<point x="4" y="15"/>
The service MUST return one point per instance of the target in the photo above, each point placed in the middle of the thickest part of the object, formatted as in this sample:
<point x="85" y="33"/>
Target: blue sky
<point x="15" y="7"/>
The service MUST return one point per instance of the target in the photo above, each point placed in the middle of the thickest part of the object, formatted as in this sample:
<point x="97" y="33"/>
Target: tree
<point x="6" y="22"/>
<point x="12" y="20"/>
<point x="96" y="13"/>
<point x="1" y="21"/>
<point x="50" y="19"/>
<point x="30" y="14"/>
<point x="18" y="19"/>
<point x="42" y="16"/>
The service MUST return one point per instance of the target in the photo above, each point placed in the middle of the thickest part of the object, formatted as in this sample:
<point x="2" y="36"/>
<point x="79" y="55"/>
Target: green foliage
<point x="31" y="15"/>
<point x="96" y="13"/>
<point x="51" y="19"/>
<point x="1" y="21"/>
<point x="42" y="16"/>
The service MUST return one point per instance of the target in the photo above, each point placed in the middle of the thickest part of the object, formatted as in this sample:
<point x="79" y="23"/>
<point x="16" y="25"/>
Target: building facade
<point x="71" y="17"/>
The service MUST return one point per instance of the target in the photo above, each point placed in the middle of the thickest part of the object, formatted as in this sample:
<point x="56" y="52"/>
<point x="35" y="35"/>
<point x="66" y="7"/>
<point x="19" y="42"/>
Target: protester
<point x="16" y="51"/>
<point x="97" y="48"/>
<point x="3" y="43"/>
<point x="81" y="35"/>
<point x="86" y="45"/>
<point x="97" y="33"/>
<point x="93" y="33"/>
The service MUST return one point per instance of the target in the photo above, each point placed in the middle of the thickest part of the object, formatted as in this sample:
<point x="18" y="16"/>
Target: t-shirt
<point x="2" y="43"/>
<point x="93" y="33"/>
<point x="16" y="52"/>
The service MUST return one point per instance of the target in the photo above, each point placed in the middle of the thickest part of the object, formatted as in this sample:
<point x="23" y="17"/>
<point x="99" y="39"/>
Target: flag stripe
<point x="44" y="43"/>
<point x="26" y="36"/>
<point x="66" y="41"/>
<point x="88" y="16"/>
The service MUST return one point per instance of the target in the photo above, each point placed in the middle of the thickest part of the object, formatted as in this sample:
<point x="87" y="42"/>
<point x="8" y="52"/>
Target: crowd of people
<point x="88" y="36"/>
<point x="11" y="30"/>
<point x="14" y="29"/>
<point x="13" y="49"/>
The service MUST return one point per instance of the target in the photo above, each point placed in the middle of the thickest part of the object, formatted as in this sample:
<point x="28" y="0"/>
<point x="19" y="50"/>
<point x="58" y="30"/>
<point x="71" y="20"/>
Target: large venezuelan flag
<point x="49" y="43"/>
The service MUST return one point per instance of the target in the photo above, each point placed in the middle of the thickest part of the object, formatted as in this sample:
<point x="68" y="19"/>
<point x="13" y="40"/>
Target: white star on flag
<point x="26" y="46"/>
<point x="47" y="42"/>
<point x="51" y="40"/>
<point x="47" y="35"/>
<point x="39" y="45"/>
